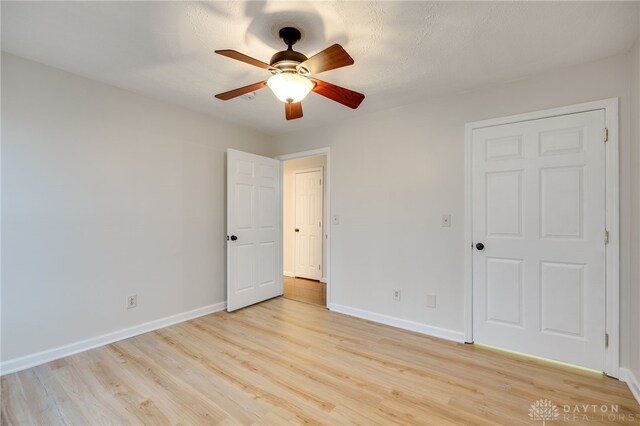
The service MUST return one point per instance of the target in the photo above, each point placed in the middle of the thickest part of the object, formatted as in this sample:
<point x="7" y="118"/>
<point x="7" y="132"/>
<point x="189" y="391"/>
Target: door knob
<point x="297" y="230"/>
<point x="479" y="246"/>
<point x="233" y="238"/>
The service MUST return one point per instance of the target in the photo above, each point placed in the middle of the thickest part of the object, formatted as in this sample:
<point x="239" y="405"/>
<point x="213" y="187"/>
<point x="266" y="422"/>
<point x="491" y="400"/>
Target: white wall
<point x="289" y="240"/>
<point x="104" y="194"/>
<point x="413" y="156"/>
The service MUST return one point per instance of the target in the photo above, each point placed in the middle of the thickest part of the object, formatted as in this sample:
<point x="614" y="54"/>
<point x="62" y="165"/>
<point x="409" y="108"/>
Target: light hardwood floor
<point x="307" y="291"/>
<point x="283" y="362"/>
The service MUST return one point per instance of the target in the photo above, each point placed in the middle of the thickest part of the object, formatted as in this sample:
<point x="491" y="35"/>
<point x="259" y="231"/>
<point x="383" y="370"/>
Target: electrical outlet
<point x="446" y="221"/>
<point x="132" y="301"/>
<point x="396" y="294"/>
<point x="431" y="301"/>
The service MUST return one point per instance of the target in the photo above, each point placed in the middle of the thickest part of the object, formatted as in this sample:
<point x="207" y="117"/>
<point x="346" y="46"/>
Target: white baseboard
<point x="443" y="333"/>
<point x="28" y="361"/>
<point x="632" y="381"/>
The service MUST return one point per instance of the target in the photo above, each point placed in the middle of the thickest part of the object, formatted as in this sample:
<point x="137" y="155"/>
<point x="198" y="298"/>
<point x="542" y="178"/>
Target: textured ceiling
<point x="402" y="50"/>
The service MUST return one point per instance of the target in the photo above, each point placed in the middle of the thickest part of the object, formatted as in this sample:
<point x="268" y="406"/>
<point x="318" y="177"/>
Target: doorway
<point x="304" y="231"/>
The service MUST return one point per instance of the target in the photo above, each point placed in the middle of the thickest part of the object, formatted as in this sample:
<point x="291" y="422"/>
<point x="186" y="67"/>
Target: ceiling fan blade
<point x="330" y="58"/>
<point x="339" y="94"/>
<point x="241" y="91"/>
<point x="293" y="110"/>
<point x="243" y="58"/>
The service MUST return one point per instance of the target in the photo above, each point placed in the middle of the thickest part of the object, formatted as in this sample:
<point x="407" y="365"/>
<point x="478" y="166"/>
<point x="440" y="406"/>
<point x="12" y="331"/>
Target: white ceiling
<point x="402" y="50"/>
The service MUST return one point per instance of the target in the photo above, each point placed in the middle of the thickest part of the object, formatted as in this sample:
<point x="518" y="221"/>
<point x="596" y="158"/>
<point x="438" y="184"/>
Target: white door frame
<point x="612" y="250"/>
<point x="295" y="208"/>
<point x="327" y="225"/>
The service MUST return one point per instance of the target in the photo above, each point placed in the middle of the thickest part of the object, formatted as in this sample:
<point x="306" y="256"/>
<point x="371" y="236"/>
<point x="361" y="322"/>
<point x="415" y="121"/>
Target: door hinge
<point x="320" y="224"/>
<point x="606" y="236"/>
<point x="606" y="134"/>
<point x="318" y="267"/>
<point x="606" y="340"/>
<point x="320" y="181"/>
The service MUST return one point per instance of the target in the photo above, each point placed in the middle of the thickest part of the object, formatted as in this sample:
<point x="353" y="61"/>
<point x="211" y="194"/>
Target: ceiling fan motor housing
<point x="287" y="60"/>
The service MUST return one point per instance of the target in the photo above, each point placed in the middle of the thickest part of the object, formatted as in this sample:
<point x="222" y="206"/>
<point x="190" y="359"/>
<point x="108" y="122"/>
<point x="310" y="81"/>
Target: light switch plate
<point x="335" y="219"/>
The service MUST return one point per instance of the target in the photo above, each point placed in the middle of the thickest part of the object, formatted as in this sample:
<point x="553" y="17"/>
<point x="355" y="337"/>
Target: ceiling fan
<point x="291" y="71"/>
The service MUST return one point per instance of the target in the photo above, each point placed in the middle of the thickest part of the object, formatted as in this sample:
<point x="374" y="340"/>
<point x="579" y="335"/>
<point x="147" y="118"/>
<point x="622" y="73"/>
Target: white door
<point x="308" y="223"/>
<point x="254" y="235"/>
<point x="539" y="210"/>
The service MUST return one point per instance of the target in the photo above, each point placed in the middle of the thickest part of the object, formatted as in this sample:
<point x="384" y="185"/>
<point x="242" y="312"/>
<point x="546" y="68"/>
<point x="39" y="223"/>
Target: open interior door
<point x="254" y="234"/>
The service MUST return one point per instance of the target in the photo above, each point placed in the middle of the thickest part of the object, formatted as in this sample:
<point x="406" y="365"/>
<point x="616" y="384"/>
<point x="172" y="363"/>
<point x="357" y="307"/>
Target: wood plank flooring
<point x="307" y="291"/>
<point x="283" y="362"/>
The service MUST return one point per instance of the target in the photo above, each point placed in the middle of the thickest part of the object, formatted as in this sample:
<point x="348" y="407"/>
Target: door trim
<point x="612" y="213"/>
<point x="295" y="208"/>
<point x="327" y="225"/>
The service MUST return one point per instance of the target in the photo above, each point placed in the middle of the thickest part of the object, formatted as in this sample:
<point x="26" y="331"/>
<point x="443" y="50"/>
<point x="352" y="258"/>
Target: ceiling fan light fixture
<point x="291" y="71"/>
<point x="290" y="87"/>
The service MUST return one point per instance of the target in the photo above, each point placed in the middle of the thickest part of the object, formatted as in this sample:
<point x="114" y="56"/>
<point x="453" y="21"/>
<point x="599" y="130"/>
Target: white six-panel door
<point x="308" y="224"/>
<point x="538" y="207"/>
<point x="254" y="245"/>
